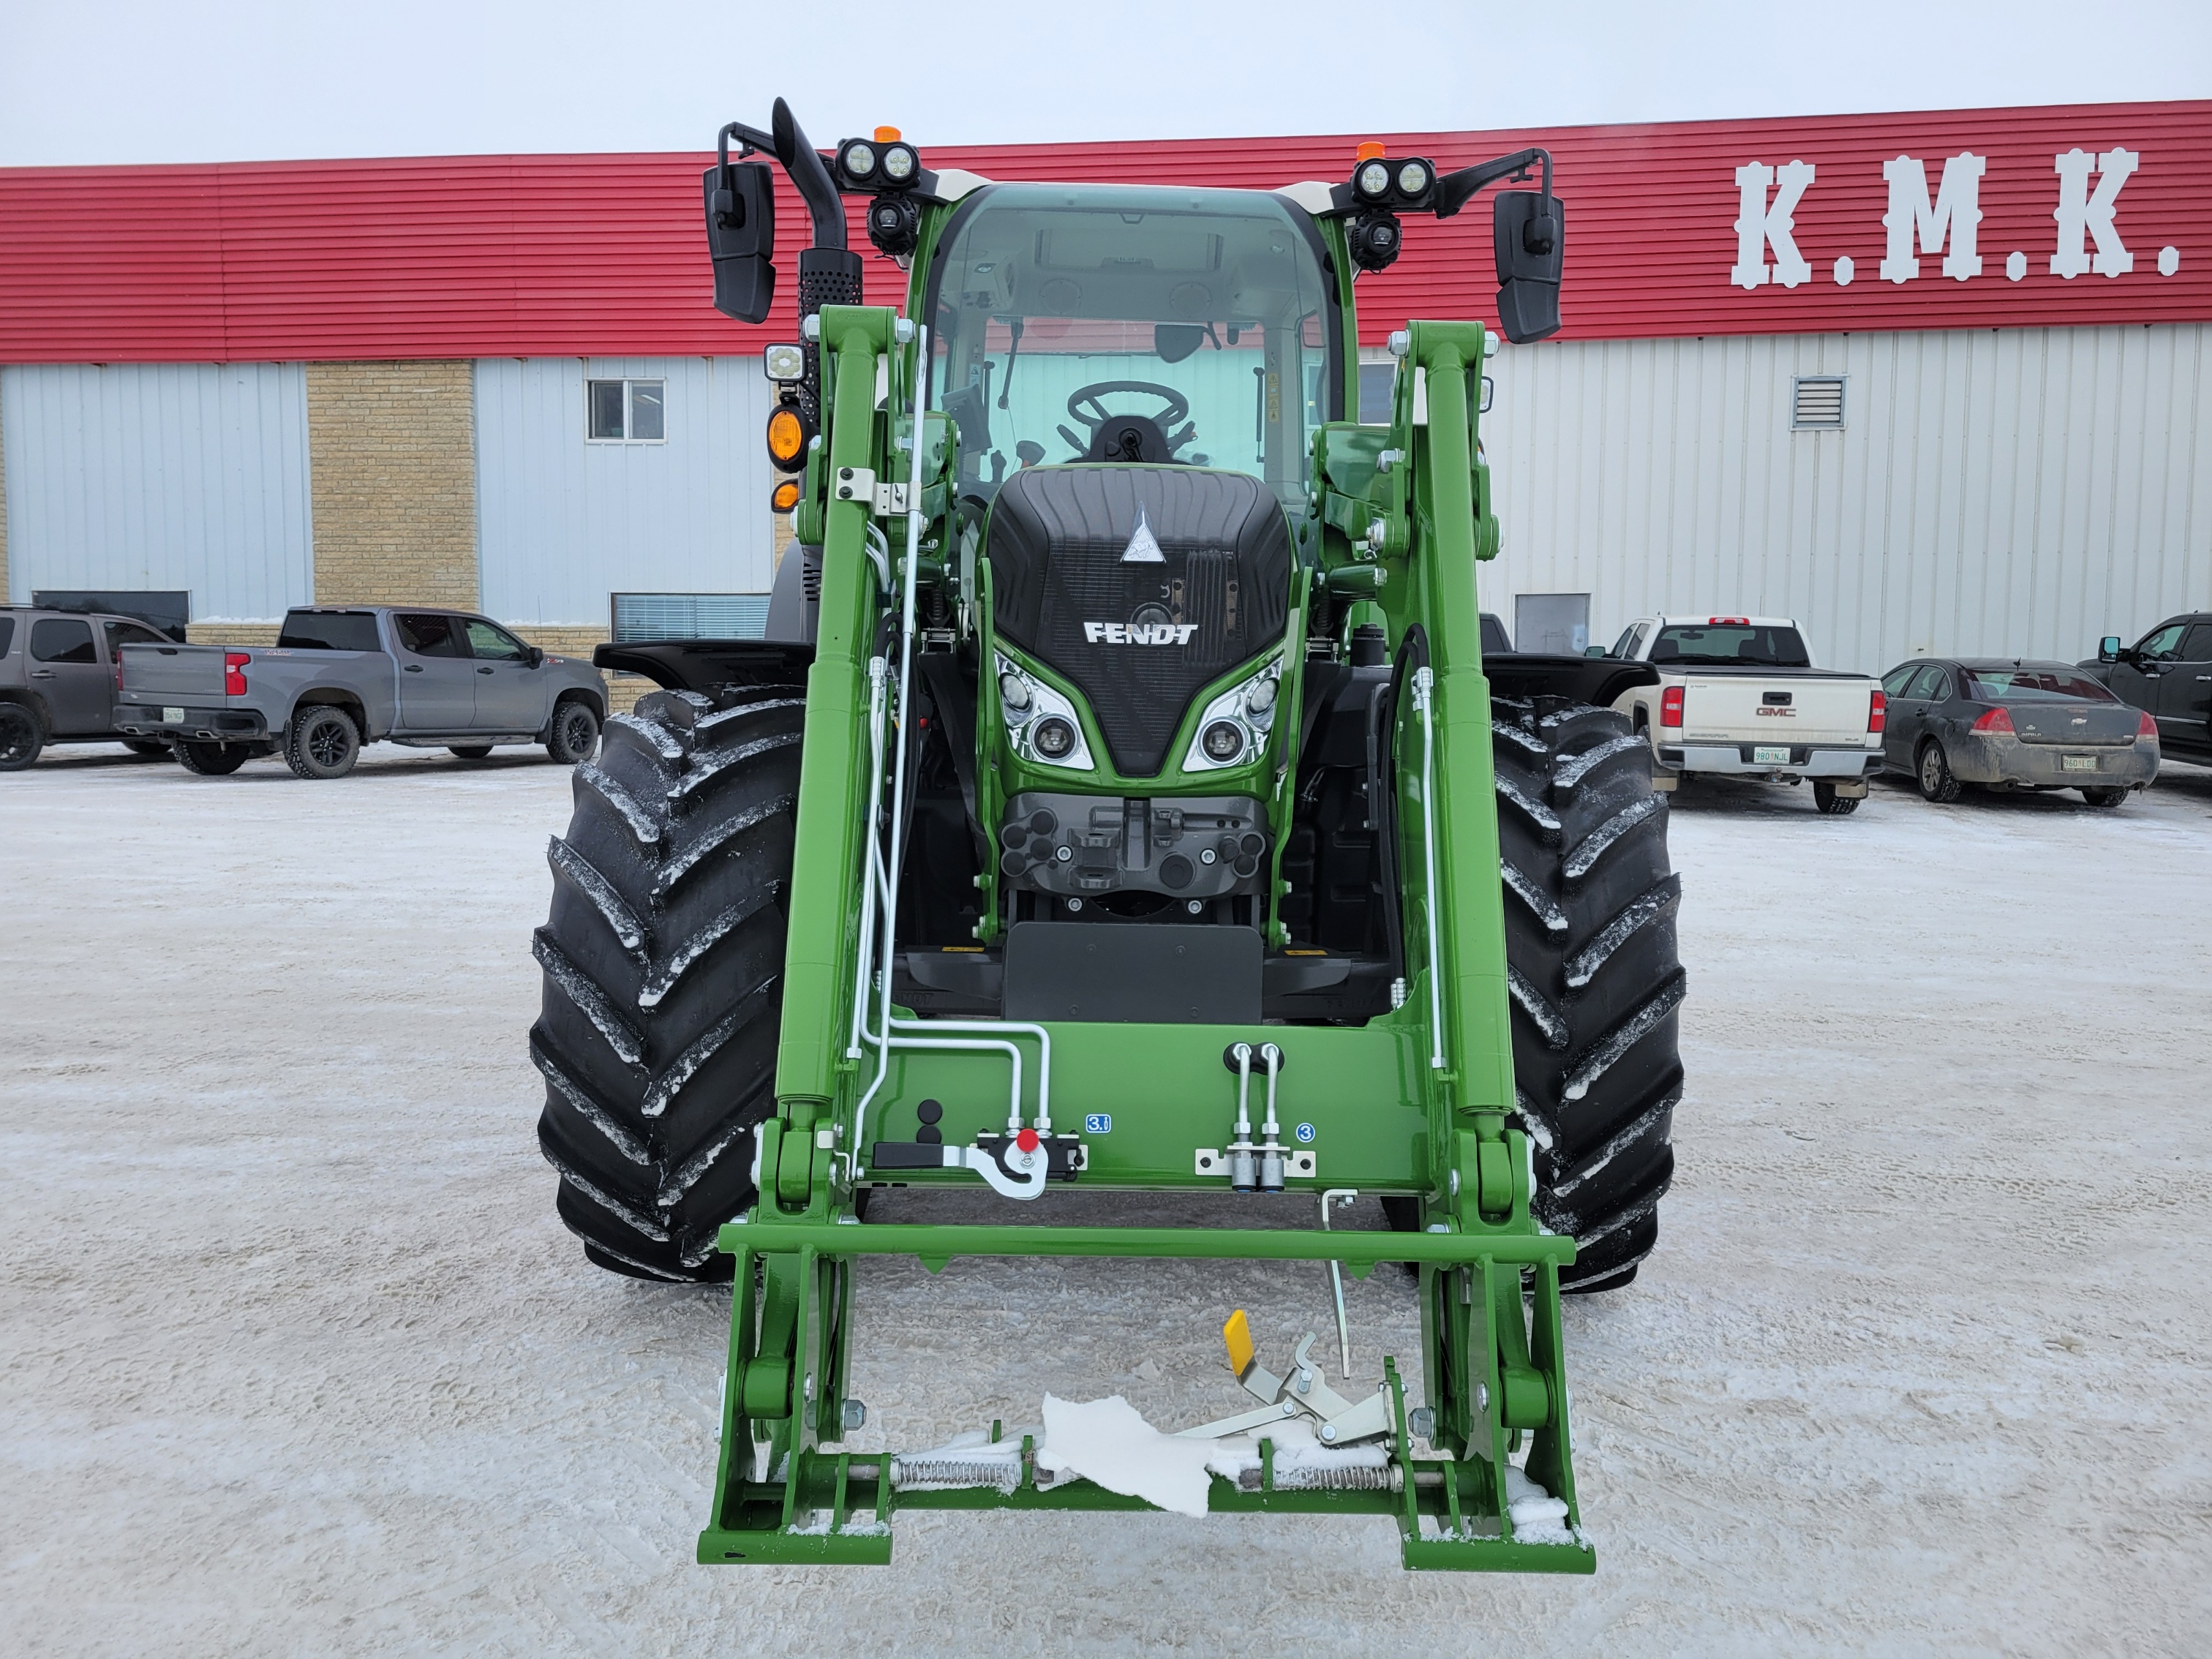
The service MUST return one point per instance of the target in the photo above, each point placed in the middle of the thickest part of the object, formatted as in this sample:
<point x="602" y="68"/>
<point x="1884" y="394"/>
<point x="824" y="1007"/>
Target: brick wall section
<point x="220" y="632"/>
<point x="392" y="449"/>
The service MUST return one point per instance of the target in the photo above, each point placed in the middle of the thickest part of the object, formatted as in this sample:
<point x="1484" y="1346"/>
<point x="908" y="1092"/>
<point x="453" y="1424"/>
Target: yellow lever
<point x="1237" y="1333"/>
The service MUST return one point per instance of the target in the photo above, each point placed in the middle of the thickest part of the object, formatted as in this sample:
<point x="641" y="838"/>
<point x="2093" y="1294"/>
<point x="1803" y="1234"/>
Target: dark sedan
<point x="2009" y="724"/>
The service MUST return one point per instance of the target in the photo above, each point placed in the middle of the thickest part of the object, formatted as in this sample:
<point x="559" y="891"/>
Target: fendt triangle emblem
<point x="1144" y="548"/>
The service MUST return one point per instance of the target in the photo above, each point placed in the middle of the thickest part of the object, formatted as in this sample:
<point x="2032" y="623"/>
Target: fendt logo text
<point x="1103" y="633"/>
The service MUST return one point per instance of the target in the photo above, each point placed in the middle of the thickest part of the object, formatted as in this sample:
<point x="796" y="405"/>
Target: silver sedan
<point x="2008" y="723"/>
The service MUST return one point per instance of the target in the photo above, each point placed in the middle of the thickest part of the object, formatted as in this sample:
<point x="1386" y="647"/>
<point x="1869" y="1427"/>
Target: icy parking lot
<point x="294" y="1357"/>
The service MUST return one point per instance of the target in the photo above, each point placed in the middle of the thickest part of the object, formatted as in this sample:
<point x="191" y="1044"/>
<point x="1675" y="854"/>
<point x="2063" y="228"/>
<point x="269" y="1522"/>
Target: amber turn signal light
<point x="786" y="438"/>
<point x="786" y="496"/>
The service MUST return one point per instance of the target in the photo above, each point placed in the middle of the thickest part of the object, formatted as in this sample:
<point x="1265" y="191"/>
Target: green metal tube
<point x="941" y="1243"/>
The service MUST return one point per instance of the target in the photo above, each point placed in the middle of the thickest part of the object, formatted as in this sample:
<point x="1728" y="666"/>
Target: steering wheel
<point x="1087" y="404"/>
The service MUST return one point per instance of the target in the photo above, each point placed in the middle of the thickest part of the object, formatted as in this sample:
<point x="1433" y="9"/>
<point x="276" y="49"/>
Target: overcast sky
<point x="110" y="80"/>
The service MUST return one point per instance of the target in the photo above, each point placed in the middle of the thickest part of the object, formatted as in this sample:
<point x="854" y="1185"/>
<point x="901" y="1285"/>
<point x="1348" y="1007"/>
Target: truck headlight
<point x="1234" y="726"/>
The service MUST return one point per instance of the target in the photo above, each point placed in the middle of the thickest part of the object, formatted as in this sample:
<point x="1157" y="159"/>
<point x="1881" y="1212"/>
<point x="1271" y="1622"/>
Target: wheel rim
<point x="15" y="735"/>
<point x="576" y="731"/>
<point x="327" y="743"/>
<point x="1931" y="770"/>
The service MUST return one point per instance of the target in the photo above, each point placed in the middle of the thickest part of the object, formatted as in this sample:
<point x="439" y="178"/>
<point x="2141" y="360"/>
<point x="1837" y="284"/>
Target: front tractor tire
<point x="663" y="958"/>
<point x="1593" y="975"/>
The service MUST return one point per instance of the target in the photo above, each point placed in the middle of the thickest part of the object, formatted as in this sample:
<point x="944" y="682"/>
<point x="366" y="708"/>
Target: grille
<point x="1819" y="404"/>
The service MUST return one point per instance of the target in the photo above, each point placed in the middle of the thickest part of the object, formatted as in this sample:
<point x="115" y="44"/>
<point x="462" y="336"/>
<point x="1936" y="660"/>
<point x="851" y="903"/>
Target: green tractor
<point x="1121" y="801"/>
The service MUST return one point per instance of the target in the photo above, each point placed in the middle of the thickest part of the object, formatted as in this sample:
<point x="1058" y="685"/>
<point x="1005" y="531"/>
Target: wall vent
<point x="1818" y="406"/>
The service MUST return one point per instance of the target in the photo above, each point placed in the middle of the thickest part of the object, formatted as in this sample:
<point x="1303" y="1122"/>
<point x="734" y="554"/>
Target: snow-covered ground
<point x="294" y="1357"/>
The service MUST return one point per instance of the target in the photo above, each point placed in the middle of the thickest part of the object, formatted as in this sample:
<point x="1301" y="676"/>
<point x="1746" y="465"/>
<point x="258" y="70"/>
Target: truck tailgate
<point x="152" y="672"/>
<point x="1776" y="709"/>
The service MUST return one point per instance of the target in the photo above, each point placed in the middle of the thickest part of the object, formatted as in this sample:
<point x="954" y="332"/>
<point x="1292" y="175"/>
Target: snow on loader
<point x="1121" y="800"/>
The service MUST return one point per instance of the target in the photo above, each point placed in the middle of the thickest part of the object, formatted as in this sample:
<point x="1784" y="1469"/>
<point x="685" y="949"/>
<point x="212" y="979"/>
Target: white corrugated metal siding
<point x="563" y="523"/>
<point x="2019" y="490"/>
<point x="160" y="476"/>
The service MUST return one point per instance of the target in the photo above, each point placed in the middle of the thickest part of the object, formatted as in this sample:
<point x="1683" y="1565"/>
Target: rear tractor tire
<point x="663" y="958"/>
<point x="212" y="760"/>
<point x="325" y="742"/>
<point x="1593" y="978"/>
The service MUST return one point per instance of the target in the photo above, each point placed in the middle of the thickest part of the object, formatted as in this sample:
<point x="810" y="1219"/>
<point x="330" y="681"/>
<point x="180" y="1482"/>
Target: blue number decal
<point x="1099" y="1123"/>
<point x="1305" y="1134"/>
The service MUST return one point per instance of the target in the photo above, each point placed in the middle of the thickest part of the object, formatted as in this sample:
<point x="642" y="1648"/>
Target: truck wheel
<point x="21" y="737"/>
<point x="146" y="747"/>
<point x="1825" y="799"/>
<point x="469" y="750"/>
<point x="1936" y="782"/>
<point x="574" y="736"/>
<point x="2104" y="798"/>
<point x="663" y="958"/>
<point x="325" y="742"/>
<point x="1593" y="976"/>
<point x="212" y="760"/>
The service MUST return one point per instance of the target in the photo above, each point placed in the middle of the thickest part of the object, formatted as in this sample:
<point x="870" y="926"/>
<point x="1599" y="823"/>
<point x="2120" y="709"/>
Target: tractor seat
<point x="1140" y="584"/>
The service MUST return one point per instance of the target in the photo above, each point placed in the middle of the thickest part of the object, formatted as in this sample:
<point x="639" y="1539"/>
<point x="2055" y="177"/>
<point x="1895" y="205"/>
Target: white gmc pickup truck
<point x="1739" y="695"/>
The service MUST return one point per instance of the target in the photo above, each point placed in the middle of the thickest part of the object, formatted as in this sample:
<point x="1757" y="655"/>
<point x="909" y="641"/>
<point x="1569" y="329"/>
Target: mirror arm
<point x="804" y="165"/>
<point x="1455" y="190"/>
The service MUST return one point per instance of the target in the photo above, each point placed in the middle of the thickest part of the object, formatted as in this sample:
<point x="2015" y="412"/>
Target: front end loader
<point x="1121" y="801"/>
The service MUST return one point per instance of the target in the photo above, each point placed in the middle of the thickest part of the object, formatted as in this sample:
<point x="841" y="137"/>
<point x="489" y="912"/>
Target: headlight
<point x="1041" y="724"/>
<point x="1234" y="726"/>
<point x="1373" y="180"/>
<point x="1412" y="178"/>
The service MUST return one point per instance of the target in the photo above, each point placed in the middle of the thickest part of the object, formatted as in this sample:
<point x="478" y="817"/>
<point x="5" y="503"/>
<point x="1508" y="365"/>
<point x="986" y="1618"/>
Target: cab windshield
<point x="1058" y="309"/>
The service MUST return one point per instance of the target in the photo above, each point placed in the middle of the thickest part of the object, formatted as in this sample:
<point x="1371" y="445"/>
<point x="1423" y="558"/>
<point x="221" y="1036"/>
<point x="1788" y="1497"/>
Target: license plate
<point x="2077" y="763"/>
<point x="1771" y="756"/>
<point x="173" y="716"/>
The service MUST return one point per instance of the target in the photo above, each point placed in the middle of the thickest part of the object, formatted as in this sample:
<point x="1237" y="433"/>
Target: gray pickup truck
<point x="340" y="677"/>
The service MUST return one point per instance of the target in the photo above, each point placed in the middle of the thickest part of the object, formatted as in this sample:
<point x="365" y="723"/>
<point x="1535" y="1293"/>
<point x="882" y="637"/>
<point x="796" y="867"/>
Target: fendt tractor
<point x="1120" y="801"/>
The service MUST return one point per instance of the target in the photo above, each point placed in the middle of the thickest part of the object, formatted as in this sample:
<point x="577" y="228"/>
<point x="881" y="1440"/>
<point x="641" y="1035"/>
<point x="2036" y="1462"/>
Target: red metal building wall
<point x="604" y="255"/>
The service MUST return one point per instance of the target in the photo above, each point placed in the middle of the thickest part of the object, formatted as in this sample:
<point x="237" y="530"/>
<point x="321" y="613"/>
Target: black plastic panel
<point x="1168" y="976"/>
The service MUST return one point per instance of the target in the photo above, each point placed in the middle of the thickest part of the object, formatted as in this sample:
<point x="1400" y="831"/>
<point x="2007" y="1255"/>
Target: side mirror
<point x="741" y="237"/>
<point x="2108" y="649"/>
<point x="1529" y="230"/>
<point x="536" y="656"/>
<point x="1594" y="651"/>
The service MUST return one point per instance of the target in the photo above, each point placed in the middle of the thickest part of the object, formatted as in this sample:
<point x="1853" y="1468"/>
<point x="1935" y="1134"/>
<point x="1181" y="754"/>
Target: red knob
<point x="1027" y="1141"/>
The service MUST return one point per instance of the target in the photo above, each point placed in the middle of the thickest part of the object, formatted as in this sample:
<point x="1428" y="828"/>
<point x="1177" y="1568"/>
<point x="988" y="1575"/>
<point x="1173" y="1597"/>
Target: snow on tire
<point x="663" y="958"/>
<point x="1593" y="976"/>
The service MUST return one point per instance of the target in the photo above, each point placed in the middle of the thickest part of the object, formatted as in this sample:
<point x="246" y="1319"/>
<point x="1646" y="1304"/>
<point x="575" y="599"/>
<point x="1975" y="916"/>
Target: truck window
<point x="488" y="643"/>
<point x="1723" y="644"/>
<point x="329" y="631"/>
<point x="1625" y="645"/>
<point x="2197" y="647"/>
<point x="123" y="633"/>
<point x="430" y="635"/>
<point x="2165" y="644"/>
<point x="7" y="634"/>
<point x="61" y="638"/>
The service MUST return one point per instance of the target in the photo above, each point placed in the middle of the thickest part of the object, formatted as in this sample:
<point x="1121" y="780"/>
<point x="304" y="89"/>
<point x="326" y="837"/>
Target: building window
<point x="645" y="616"/>
<point x="626" y="411"/>
<point x="1817" y="404"/>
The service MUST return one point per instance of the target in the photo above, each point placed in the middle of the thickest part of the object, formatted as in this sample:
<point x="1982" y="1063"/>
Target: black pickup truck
<point x="2167" y="674"/>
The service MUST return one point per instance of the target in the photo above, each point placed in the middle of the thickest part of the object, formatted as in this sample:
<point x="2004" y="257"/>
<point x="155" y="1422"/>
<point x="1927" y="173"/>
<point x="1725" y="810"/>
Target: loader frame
<point x="1413" y="1103"/>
